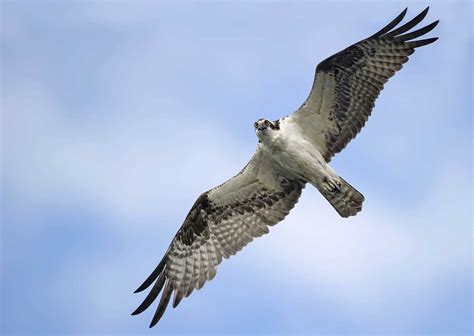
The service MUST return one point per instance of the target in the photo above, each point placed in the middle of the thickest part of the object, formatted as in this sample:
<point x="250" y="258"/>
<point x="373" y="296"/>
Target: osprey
<point x="291" y="152"/>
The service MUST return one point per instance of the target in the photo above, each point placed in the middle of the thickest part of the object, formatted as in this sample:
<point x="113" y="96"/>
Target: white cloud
<point x="121" y="165"/>
<point x="142" y="154"/>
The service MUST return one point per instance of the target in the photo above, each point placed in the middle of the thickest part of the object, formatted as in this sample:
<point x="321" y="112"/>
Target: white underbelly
<point x="298" y="157"/>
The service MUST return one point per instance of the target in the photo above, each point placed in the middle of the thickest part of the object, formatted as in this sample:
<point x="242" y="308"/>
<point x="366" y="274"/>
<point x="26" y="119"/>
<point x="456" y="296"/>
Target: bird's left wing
<point x="347" y="84"/>
<point x="220" y="223"/>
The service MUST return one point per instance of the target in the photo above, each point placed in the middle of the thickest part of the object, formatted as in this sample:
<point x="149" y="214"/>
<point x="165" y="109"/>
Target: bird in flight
<point x="291" y="152"/>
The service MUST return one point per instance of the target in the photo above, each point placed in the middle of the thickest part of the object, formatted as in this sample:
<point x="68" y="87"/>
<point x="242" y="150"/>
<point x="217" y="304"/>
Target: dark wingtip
<point x="177" y="299"/>
<point x="155" y="291"/>
<point x="139" y="289"/>
<point x="403" y="13"/>
<point x="165" y="298"/>
<point x="392" y="24"/>
<point x="421" y="43"/>
<point x="417" y="33"/>
<point x="135" y="312"/>
<point x="152" y="277"/>
<point x="409" y="25"/>
<point x="424" y="12"/>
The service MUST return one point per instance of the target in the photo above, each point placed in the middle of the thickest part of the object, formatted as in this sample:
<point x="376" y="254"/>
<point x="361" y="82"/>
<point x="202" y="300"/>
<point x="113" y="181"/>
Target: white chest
<point x="293" y="152"/>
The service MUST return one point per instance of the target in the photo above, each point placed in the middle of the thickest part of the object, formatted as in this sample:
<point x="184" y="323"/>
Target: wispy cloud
<point x="116" y="117"/>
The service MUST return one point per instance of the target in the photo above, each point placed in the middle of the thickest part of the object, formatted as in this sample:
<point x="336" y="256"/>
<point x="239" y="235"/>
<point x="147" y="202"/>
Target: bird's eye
<point x="255" y="124"/>
<point x="267" y="123"/>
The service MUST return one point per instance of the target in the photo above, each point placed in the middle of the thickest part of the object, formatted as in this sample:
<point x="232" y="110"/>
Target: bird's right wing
<point x="347" y="84"/>
<point x="220" y="223"/>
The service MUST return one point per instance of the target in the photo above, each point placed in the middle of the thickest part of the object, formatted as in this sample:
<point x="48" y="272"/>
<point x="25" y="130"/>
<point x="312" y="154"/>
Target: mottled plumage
<point x="291" y="152"/>
<point x="347" y="84"/>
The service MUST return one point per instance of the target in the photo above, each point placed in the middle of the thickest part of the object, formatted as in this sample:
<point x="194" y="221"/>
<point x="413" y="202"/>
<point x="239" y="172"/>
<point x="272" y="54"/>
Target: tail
<point x="346" y="200"/>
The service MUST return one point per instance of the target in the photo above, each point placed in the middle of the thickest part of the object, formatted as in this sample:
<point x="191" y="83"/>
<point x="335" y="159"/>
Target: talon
<point x="331" y="184"/>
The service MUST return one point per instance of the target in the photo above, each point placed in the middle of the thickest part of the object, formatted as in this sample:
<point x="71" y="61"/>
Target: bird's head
<point x="264" y="128"/>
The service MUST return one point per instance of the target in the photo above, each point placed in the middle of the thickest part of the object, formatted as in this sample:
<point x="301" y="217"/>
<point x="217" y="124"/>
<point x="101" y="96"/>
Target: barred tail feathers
<point x="346" y="200"/>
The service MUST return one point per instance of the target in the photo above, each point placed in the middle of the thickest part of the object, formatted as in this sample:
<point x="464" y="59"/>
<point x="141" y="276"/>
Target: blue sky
<point x="117" y="115"/>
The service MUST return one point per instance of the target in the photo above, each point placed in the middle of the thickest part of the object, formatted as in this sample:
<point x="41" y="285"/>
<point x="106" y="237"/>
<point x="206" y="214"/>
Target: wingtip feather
<point x="155" y="291"/>
<point x="421" y="43"/>
<point x="392" y="24"/>
<point x="409" y="25"/>
<point x="417" y="33"/>
<point x="165" y="298"/>
<point x="178" y="296"/>
<point x="152" y="277"/>
<point x="139" y="289"/>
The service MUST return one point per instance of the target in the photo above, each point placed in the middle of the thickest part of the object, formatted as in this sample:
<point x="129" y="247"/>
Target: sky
<point x="117" y="115"/>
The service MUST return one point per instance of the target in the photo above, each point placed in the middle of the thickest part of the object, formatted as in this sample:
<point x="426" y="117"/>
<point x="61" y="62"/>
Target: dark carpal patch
<point x="343" y="59"/>
<point x="196" y="220"/>
<point x="204" y="211"/>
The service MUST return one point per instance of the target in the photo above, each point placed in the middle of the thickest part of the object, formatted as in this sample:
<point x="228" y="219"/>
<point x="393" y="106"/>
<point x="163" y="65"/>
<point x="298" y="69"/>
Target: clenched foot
<point x="331" y="184"/>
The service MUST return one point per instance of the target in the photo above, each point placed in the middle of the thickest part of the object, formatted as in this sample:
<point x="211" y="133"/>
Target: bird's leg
<point x="325" y="178"/>
<point x="328" y="179"/>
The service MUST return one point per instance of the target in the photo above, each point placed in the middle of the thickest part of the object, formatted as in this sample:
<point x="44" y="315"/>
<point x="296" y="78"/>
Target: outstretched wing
<point x="347" y="84"/>
<point x="220" y="223"/>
